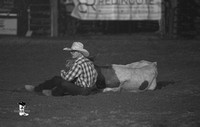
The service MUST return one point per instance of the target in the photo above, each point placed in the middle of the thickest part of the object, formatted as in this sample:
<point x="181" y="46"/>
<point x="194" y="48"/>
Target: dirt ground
<point x="175" y="102"/>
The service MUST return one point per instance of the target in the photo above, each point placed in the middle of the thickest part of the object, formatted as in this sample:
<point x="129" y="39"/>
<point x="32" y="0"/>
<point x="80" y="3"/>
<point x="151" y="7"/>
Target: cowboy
<point x="80" y="79"/>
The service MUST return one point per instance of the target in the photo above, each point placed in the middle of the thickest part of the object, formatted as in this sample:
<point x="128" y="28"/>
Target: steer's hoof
<point x="106" y="90"/>
<point x="144" y="85"/>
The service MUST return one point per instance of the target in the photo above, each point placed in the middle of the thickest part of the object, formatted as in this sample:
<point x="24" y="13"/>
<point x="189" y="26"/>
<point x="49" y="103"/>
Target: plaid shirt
<point x="82" y="71"/>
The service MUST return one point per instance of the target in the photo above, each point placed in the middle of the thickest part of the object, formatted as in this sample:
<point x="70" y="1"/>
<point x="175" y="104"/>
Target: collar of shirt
<point x="79" y="58"/>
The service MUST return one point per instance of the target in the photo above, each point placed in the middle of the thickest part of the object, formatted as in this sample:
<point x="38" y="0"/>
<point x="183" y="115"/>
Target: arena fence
<point x="180" y="18"/>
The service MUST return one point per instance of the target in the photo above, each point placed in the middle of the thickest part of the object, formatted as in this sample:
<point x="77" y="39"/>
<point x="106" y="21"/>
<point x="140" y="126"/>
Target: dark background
<point x="185" y="16"/>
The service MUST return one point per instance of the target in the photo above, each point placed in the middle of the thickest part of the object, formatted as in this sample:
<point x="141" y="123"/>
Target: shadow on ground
<point x="163" y="84"/>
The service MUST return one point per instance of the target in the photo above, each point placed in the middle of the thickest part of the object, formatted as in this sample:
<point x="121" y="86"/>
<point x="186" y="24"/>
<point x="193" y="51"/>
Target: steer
<point x="134" y="77"/>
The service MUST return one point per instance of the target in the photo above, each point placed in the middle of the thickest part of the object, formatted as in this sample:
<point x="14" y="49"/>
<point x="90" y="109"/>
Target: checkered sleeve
<point x="73" y="73"/>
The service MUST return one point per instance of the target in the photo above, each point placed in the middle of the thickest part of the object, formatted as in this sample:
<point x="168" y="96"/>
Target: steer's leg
<point x="153" y="85"/>
<point x="112" y="89"/>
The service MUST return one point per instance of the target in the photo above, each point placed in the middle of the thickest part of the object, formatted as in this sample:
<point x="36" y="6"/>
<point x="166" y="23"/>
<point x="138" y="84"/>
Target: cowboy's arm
<point x="73" y="73"/>
<point x="69" y="64"/>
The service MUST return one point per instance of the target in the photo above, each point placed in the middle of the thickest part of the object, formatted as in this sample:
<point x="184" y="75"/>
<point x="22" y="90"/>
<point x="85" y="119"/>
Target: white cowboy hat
<point x="78" y="46"/>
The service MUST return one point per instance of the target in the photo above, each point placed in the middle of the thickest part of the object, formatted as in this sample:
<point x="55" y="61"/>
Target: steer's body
<point x="134" y="77"/>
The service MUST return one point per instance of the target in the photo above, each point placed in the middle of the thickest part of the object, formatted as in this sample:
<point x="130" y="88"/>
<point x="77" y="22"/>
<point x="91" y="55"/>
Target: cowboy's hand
<point x="69" y="64"/>
<point x="62" y="72"/>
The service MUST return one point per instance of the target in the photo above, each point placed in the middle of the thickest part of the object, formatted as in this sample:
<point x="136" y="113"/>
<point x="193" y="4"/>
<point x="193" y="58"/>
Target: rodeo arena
<point x="99" y="63"/>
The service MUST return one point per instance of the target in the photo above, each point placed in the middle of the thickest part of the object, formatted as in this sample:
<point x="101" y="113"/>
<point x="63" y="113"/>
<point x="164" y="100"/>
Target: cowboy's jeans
<point x="61" y="87"/>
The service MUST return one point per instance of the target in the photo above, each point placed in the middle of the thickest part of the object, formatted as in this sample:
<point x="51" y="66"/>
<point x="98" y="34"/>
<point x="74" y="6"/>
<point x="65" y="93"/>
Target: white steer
<point x="134" y="77"/>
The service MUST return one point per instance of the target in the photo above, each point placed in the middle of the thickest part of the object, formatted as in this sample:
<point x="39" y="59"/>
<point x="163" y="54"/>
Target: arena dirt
<point x="175" y="102"/>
